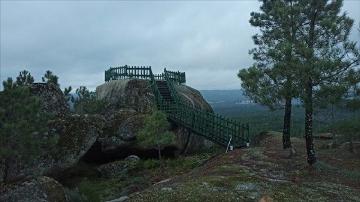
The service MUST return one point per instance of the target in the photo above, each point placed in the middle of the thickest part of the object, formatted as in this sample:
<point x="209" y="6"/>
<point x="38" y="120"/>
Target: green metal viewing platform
<point x="216" y="128"/>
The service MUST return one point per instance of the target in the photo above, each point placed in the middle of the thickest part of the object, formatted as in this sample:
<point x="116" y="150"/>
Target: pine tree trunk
<point x="287" y="124"/>
<point x="6" y="169"/>
<point x="309" y="123"/>
<point x="311" y="158"/>
<point x="159" y="154"/>
<point x="333" y="123"/>
<point x="351" y="146"/>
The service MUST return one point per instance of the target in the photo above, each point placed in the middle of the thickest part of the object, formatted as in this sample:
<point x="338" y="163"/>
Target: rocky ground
<point x="120" y="179"/>
<point x="266" y="173"/>
<point x="97" y="158"/>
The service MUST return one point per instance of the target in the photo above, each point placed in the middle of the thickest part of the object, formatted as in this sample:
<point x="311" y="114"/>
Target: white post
<point x="227" y="148"/>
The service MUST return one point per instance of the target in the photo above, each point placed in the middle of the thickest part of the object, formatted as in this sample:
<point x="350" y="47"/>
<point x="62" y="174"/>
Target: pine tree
<point x="9" y="84"/>
<point x="22" y="124"/>
<point x="351" y="128"/>
<point x="353" y="81"/>
<point x="49" y="77"/>
<point x="323" y="45"/>
<point x="83" y="93"/>
<point x="67" y="94"/>
<point x="24" y="78"/>
<point x="155" y="132"/>
<point x="270" y="81"/>
<point x="303" y="44"/>
<point x="87" y="103"/>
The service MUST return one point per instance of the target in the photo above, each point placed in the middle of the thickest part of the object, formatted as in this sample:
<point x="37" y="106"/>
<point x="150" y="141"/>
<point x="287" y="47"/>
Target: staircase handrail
<point x="212" y="126"/>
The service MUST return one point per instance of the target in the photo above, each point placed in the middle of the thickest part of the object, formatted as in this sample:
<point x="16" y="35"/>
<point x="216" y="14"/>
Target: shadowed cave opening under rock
<point x="95" y="155"/>
<point x="86" y="167"/>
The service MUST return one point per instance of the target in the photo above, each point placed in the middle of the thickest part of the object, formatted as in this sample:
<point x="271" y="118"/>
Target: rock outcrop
<point x="193" y="97"/>
<point x="68" y="138"/>
<point x="118" y="168"/>
<point x="130" y="101"/>
<point x="73" y="136"/>
<point x="77" y="134"/>
<point x="135" y="94"/>
<point x="52" y="98"/>
<point x="36" y="189"/>
<point x="121" y="128"/>
<point x="78" y="137"/>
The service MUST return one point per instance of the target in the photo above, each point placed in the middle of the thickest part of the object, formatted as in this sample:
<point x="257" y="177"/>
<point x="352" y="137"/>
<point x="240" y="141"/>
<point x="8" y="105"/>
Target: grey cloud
<point x="79" y="40"/>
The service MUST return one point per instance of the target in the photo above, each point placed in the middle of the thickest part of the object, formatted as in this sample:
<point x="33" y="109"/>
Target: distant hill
<point x="215" y="97"/>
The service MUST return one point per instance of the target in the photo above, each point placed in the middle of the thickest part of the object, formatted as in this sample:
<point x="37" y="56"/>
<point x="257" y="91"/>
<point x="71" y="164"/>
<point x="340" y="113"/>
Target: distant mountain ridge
<point x="225" y="96"/>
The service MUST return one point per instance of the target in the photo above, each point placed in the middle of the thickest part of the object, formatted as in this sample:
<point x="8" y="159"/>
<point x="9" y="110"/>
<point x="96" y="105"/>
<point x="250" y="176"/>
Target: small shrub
<point x="87" y="102"/>
<point x="155" y="132"/>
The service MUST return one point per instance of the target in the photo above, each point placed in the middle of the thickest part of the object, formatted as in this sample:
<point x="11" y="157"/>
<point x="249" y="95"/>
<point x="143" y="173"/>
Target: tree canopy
<point x="24" y="78"/>
<point x="271" y="80"/>
<point x="155" y="132"/>
<point x="49" y="77"/>
<point x="303" y="50"/>
<point x="22" y="123"/>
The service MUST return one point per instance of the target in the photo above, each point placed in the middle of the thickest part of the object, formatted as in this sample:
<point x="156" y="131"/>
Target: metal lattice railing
<point x="212" y="126"/>
<point x="141" y="72"/>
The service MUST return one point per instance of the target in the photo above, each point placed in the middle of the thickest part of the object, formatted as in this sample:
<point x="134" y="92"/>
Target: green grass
<point x="138" y="177"/>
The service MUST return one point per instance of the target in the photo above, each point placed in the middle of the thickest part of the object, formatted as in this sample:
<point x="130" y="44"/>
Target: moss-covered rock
<point x="77" y="134"/>
<point x="73" y="136"/>
<point x="117" y="168"/>
<point x="37" y="189"/>
<point x="130" y="101"/>
<point x="127" y="93"/>
<point x="52" y="98"/>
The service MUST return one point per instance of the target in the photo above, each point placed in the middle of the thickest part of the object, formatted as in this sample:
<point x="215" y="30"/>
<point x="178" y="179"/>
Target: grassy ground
<point x="266" y="173"/>
<point x="86" y="184"/>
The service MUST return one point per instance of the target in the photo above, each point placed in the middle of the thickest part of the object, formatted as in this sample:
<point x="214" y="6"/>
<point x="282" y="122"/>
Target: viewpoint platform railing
<point x="141" y="72"/>
<point x="212" y="126"/>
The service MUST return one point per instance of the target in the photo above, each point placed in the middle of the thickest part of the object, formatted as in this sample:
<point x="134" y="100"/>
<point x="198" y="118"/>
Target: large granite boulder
<point x="130" y="100"/>
<point x="118" y="168"/>
<point x="77" y="134"/>
<point x="73" y="136"/>
<point x="36" y="189"/>
<point x="128" y="93"/>
<point x="121" y="128"/>
<point x="193" y="97"/>
<point x="68" y="138"/>
<point x="52" y="98"/>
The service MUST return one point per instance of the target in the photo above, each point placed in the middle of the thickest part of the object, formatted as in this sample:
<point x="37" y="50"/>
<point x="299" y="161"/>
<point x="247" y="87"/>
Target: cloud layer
<point x="79" y="40"/>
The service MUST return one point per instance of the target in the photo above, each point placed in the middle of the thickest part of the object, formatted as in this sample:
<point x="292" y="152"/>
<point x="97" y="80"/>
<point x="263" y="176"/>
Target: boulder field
<point x="98" y="138"/>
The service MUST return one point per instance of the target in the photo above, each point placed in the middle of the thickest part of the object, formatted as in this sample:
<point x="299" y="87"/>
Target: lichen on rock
<point x="52" y="98"/>
<point x="36" y="189"/>
<point x="127" y="93"/>
<point x="130" y="101"/>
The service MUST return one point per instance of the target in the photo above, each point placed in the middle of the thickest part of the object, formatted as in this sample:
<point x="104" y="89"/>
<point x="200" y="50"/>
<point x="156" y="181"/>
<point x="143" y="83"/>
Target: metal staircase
<point x="218" y="129"/>
<point x="164" y="91"/>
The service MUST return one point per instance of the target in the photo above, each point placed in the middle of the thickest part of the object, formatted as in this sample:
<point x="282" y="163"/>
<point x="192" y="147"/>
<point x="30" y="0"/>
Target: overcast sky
<point x="79" y="40"/>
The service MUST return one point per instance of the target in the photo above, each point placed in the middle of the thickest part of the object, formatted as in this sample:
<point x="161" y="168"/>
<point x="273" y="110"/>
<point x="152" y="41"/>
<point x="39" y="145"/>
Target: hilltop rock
<point x="38" y="189"/>
<point x="130" y="100"/>
<point x="135" y="94"/>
